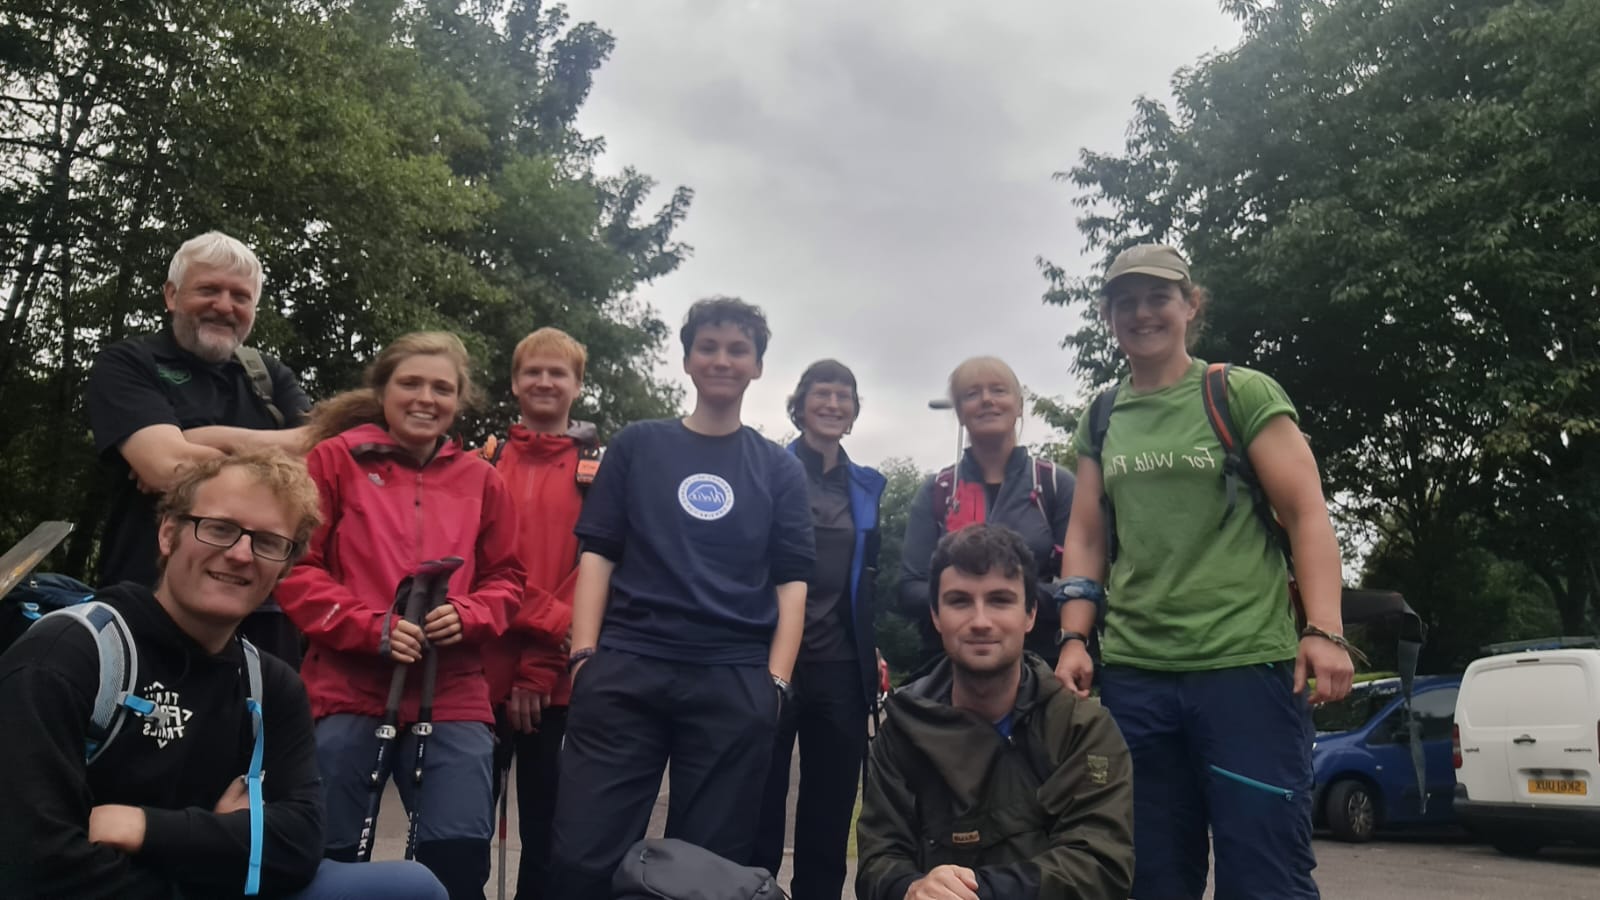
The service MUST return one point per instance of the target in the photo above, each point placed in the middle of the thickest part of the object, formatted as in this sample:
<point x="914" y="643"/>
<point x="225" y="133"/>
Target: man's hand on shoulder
<point x="114" y="825"/>
<point x="945" y="883"/>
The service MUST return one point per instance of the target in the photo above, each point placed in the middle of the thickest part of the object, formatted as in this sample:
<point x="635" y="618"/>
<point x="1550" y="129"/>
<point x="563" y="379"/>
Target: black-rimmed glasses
<point x="222" y="533"/>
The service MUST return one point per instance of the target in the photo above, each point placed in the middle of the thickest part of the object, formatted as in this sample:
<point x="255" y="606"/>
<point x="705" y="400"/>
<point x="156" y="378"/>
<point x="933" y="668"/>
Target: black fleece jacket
<point x="176" y="765"/>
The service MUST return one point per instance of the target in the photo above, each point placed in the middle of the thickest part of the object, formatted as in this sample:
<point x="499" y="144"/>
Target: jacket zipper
<point x="416" y="509"/>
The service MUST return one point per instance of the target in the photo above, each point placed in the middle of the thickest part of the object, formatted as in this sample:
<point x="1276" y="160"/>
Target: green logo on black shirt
<point x="174" y="376"/>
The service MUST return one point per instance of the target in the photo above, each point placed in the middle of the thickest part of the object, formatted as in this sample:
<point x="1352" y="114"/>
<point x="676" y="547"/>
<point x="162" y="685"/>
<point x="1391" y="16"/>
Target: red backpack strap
<point x="955" y="507"/>
<point x="493" y="448"/>
<point x="1236" y="467"/>
<point x="1214" y="389"/>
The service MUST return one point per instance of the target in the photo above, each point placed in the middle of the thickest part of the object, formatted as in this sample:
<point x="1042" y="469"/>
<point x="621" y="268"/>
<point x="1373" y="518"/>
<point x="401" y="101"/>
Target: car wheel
<point x="1351" y="811"/>
<point x="1513" y="844"/>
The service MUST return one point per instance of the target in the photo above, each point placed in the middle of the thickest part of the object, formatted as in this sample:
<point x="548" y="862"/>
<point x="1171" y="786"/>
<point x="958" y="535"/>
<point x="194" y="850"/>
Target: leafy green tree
<point x="397" y="165"/>
<point x="898" y="638"/>
<point x="1466" y="596"/>
<point x="1396" y="205"/>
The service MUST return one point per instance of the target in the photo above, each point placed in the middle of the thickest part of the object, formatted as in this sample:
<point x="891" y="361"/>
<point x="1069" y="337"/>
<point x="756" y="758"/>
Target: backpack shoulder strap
<point x="119" y="673"/>
<point x="1045" y="498"/>
<point x="1100" y="420"/>
<point x="1236" y="467"/>
<point x="1099" y="425"/>
<point x="944" y="491"/>
<point x="1214" y="392"/>
<point x="252" y="668"/>
<point x="252" y="778"/>
<point x="260" y="380"/>
<point x="588" y="466"/>
<point x="1044" y="481"/>
<point x="493" y="448"/>
<point x="1218" y="412"/>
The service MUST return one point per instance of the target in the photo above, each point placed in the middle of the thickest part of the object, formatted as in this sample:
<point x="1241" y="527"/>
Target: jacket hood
<point x="528" y="441"/>
<point x="585" y="433"/>
<point x="959" y="744"/>
<point x="375" y="439"/>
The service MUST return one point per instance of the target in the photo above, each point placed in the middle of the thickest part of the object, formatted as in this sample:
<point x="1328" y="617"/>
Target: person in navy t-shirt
<point x="686" y="621"/>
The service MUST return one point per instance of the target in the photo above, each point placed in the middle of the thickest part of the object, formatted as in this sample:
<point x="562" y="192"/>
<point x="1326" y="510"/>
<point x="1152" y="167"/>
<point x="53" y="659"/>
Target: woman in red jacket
<point x="396" y="492"/>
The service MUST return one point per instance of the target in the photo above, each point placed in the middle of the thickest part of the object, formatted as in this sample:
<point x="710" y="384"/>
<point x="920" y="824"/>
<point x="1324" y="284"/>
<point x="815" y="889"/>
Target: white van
<point x="1527" y="749"/>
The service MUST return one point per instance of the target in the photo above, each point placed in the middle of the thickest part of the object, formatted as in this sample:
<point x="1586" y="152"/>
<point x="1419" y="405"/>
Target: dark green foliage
<point x="898" y="638"/>
<point x="1397" y="206"/>
<point x="397" y="165"/>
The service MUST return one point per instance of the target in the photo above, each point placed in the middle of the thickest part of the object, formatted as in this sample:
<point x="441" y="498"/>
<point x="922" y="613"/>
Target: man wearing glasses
<point x="164" y="810"/>
<point x="191" y="392"/>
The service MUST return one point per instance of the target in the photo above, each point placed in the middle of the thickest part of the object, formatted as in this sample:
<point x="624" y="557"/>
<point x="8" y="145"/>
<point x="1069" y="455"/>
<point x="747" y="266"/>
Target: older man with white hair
<point x="188" y="393"/>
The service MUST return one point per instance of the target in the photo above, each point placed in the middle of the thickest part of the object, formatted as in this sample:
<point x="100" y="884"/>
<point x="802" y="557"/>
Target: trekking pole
<point x="943" y="403"/>
<point x="438" y="587"/>
<point x="415" y="588"/>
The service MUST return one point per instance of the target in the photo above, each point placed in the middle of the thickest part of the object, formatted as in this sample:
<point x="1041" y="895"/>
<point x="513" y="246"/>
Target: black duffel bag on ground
<point x="670" y="869"/>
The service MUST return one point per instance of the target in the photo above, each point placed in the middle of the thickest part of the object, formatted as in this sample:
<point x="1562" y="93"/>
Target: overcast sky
<point x="875" y="174"/>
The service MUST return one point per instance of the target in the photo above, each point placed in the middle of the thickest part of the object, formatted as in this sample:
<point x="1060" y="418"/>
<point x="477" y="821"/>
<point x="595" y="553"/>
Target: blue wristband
<point x="1079" y="588"/>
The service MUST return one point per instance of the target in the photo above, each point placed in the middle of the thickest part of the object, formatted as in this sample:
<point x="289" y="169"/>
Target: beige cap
<point x="1155" y="260"/>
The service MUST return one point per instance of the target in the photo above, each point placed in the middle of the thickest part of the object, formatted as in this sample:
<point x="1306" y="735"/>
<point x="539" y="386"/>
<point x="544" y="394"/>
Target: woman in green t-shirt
<point x="1204" y="670"/>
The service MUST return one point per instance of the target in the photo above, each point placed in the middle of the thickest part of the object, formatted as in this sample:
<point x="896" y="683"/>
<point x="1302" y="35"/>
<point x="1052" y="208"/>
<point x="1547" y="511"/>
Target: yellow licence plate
<point x="1558" y="786"/>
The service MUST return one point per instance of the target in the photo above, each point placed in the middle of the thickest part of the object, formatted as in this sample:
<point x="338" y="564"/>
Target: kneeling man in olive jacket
<point x="988" y="781"/>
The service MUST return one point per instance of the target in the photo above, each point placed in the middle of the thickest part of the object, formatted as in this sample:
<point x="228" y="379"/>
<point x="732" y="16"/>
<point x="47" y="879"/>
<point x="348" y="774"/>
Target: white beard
<point x="205" y="343"/>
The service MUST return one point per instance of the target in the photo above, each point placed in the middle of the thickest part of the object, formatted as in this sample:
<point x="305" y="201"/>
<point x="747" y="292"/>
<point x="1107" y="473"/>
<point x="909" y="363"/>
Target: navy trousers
<point x="1228" y="750"/>
<point x="455" y="819"/>
<point x="829" y="714"/>
<point x="633" y="716"/>
<point x="537" y="758"/>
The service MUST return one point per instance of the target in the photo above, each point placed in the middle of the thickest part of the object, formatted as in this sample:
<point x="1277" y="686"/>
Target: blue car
<point x="1362" y="757"/>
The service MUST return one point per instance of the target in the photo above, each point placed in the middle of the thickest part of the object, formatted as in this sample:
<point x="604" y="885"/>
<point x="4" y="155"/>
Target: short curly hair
<point x="823" y="371"/>
<point x="978" y="548"/>
<point x="286" y="478"/>
<point x="712" y="311"/>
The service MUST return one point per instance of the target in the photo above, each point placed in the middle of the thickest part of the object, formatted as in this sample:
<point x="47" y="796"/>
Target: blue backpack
<point x="45" y="595"/>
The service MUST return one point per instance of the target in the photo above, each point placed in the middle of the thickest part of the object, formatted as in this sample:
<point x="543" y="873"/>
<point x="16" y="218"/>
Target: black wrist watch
<point x="1064" y="635"/>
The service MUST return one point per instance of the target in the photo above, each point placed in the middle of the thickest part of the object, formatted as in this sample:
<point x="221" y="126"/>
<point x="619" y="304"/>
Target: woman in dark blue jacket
<point x="836" y="677"/>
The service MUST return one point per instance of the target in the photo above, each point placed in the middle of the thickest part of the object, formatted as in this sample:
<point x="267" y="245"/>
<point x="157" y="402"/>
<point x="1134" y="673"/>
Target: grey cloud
<point x="877" y="174"/>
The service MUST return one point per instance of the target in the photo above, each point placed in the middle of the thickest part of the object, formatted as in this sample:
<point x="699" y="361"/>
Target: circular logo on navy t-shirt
<point x="705" y="497"/>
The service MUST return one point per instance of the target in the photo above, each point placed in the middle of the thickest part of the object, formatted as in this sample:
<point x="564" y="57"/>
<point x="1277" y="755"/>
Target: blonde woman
<point x="397" y="491"/>
<point x="995" y="480"/>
